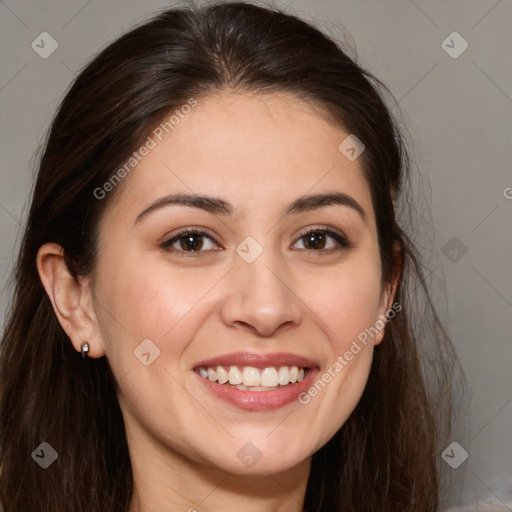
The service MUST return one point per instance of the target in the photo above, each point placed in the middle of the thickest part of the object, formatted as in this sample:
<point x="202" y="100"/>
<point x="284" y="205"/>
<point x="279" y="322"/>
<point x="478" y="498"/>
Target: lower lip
<point x="260" y="400"/>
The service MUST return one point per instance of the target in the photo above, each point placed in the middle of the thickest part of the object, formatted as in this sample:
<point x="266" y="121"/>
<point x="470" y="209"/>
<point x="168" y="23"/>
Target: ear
<point x="71" y="299"/>
<point x="388" y="294"/>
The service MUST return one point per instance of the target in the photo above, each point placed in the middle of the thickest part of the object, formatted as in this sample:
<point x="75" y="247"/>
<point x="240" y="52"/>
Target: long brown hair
<point x="385" y="457"/>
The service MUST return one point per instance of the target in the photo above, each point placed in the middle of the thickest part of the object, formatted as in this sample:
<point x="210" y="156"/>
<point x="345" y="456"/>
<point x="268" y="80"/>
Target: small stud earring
<point x="85" y="349"/>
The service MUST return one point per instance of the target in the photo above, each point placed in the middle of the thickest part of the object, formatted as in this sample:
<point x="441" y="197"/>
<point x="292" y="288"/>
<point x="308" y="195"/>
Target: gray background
<point x="457" y="112"/>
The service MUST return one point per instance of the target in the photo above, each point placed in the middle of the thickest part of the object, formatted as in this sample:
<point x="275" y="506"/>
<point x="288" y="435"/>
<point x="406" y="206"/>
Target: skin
<point x="258" y="153"/>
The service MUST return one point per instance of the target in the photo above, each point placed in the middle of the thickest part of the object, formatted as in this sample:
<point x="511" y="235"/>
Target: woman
<point x="216" y="307"/>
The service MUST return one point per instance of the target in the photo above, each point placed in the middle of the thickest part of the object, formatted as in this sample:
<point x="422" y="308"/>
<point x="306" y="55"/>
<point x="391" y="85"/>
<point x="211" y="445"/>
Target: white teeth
<point x="284" y="375"/>
<point x="255" y="379"/>
<point x="234" y="376"/>
<point x="222" y="375"/>
<point x="269" y="378"/>
<point x="251" y="376"/>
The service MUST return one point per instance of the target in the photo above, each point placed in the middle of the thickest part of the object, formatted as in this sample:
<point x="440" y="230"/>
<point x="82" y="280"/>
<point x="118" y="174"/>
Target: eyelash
<point x="342" y="241"/>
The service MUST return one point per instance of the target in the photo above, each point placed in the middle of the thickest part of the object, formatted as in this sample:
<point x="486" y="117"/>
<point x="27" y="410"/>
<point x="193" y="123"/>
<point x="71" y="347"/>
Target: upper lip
<point x="257" y="360"/>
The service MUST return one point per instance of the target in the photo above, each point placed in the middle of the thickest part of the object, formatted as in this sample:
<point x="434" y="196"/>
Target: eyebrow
<point x="219" y="206"/>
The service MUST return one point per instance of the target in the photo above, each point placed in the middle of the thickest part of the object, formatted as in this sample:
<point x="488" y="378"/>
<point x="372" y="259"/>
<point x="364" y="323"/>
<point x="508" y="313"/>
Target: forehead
<point x="252" y="149"/>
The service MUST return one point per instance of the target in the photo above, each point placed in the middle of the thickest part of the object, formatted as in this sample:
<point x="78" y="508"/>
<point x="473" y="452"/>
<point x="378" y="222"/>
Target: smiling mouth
<point x="250" y="378"/>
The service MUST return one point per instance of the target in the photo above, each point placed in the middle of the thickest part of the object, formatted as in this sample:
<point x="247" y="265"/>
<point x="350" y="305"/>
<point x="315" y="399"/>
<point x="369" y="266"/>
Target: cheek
<point x="347" y="307"/>
<point x="138" y="301"/>
<point x="348" y="302"/>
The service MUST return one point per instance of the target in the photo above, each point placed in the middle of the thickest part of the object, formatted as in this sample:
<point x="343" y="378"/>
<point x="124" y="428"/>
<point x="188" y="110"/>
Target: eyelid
<point x="172" y="238"/>
<point x="338" y="235"/>
<point x="194" y="230"/>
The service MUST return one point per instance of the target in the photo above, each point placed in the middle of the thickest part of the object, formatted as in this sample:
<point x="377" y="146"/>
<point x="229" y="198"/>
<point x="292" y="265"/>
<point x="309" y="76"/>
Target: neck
<point x="166" y="480"/>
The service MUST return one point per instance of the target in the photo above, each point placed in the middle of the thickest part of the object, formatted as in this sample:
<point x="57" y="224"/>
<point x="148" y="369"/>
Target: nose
<point x="260" y="297"/>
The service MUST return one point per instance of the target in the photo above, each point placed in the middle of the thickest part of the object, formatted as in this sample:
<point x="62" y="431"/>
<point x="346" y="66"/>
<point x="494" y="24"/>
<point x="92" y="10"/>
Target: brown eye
<point x="314" y="241"/>
<point x="189" y="241"/>
<point x="322" y="239"/>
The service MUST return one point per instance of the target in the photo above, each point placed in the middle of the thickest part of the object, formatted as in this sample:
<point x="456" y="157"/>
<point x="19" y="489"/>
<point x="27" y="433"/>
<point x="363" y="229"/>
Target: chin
<point x="261" y="457"/>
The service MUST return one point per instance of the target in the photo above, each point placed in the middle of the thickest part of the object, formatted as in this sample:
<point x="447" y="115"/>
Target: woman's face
<point x="284" y="273"/>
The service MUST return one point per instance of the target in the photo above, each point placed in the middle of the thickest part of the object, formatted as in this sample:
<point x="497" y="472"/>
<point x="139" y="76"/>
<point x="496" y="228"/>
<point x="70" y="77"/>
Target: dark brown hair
<point x="385" y="457"/>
